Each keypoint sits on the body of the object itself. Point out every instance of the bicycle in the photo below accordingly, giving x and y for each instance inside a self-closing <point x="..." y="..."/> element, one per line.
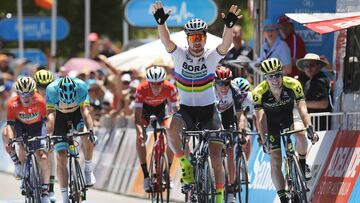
<point x="77" y="187"/>
<point x="159" y="170"/>
<point x="31" y="182"/>
<point x="241" y="183"/>
<point x="203" y="189"/>
<point x="294" y="176"/>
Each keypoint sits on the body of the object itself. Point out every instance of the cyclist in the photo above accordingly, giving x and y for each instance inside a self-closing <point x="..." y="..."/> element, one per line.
<point x="150" y="99"/>
<point x="67" y="102"/>
<point x="26" y="113"/>
<point x="274" y="101"/>
<point x="232" y="100"/>
<point x="194" y="74"/>
<point x="43" y="78"/>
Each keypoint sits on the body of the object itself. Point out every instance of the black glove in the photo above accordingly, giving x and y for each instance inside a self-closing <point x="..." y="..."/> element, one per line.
<point x="230" y="20"/>
<point x="311" y="135"/>
<point x="91" y="136"/>
<point x="160" y="16"/>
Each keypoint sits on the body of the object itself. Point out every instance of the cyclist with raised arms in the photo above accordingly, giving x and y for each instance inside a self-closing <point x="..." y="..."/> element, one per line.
<point x="43" y="78"/>
<point x="232" y="100"/>
<point x="194" y="74"/>
<point x="26" y="114"/>
<point x="274" y="101"/>
<point x="67" y="102"/>
<point x="151" y="98"/>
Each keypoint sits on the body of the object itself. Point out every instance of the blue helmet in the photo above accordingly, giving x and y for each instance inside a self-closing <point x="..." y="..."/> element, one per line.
<point x="67" y="90"/>
<point x="242" y="83"/>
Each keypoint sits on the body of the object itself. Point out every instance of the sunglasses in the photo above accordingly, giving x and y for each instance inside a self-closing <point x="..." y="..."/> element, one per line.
<point x="156" y="83"/>
<point x="222" y="83"/>
<point x="273" y="76"/>
<point x="196" y="37"/>
<point x="28" y="94"/>
<point x="310" y="64"/>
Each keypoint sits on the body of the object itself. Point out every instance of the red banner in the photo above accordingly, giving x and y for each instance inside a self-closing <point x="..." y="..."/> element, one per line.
<point x="341" y="170"/>
<point x="327" y="26"/>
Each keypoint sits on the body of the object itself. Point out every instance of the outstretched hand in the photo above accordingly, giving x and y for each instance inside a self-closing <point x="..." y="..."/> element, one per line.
<point x="233" y="15"/>
<point x="159" y="13"/>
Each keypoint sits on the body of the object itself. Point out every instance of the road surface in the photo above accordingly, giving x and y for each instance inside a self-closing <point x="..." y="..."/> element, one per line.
<point x="10" y="193"/>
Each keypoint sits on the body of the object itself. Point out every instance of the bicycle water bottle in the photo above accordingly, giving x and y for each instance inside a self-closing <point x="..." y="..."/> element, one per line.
<point x="72" y="149"/>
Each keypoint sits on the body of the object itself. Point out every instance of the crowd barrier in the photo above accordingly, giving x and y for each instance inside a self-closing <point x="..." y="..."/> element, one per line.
<point x="334" y="162"/>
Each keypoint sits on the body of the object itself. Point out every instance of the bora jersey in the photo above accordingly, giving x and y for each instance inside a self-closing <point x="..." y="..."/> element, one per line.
<point x="195" y="76"/>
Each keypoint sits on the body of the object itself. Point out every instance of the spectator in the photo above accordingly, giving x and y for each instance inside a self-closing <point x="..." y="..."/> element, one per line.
<point x="107" y="48"/>
<point x="5" y="88"/>
<point x="293" y="40"/>
<point x="94" y="44"/>
<point x="241" y="67"/>
<point x="274" y="47"/>
<point x="316" y="87"/>
<point x="239" y="49"/>
<point x="5" y="71"/>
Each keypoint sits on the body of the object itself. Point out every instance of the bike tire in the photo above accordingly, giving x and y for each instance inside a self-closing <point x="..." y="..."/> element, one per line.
<point x="81" y="180"/>
<point x="226" y="169"/>
<point x="242" y="179"/>
<point x="153" y="178"/>
<point x="35" y="180"/>
<point x="298" y="182"/>
<point x="165" y="179"/>
<point x="209" y="184"/>
<point x="74" y="187"/>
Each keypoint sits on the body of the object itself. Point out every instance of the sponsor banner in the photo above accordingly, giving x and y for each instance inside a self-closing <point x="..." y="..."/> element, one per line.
<point x="317" y="155"/>
<point x="333" y="25"/>
<point x="341" y="169"/>
<point x="314" y="42"/>
<point x="259" y="176"/>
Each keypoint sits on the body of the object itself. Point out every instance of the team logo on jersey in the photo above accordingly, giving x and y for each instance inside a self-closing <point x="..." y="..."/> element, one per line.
<point x="194" y="71"/>
<point x="28" y="116"/>
<point x="298" y="90"/>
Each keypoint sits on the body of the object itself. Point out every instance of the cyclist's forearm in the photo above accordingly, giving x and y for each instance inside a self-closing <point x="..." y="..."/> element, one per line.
<point x="227" y="39"/>
<point x="164" y="35"/>
<point x="87" y="117"/>
<point x="50" y="122"/>
<point x="304" y="113"/>
<point x="261" y="119"/>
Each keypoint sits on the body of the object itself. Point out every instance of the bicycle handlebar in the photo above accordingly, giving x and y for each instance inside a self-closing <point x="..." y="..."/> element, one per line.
<point x="73" y="134"/>
<point x="292" y="132"/>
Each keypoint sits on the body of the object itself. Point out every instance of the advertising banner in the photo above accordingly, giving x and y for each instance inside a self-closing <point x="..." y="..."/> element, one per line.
<point x="314" y="42"/>
<point x="341" y="169"/>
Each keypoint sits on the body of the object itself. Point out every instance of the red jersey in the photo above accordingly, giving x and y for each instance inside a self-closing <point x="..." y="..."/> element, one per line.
<point x="297" y="49"/>
<point x="145" y="95"/>
<point x="27" y="115"/>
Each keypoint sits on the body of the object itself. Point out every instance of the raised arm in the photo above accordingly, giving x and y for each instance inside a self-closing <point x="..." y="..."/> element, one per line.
<point x="161" y="17"/>
<point x="230" y="20"/>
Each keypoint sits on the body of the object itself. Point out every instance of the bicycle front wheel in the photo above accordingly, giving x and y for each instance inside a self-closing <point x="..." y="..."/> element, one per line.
<point x="242" y="179"/>
<point x="75" y="193"/>
<point x="35" y="185"/>
<point x="298" y="188"/>
<point x="205" y="189"/>
<point x="160" y="179"/>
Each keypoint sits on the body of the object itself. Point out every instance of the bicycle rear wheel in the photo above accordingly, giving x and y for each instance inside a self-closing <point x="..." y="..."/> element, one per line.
<point x="35" y="185"/>
<point x="298" y="188"/>
<point x="241" y="184"/>
<point x="74" y="186"/>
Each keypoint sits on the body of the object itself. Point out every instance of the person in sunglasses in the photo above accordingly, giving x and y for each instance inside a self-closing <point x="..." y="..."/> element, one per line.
<point x="232" y="100"/>
<point x="43" y="78"/>
<point x="26" y="114"/>
<point x="151" y="98"/>
<point x="274" y="100"/>
<point x="194" y="74"/>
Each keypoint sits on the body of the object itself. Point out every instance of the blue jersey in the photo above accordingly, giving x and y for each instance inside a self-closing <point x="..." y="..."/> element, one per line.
<point x="81" y="98"/>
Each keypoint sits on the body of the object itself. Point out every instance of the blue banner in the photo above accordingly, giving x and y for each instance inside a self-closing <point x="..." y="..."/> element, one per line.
<point x="355" y="194"/>
<point x="138" y="13"/>
<point x="315" y="43"/>
<point x="260" y="176"/>
<point x="34" y="28"/>
<point x="36" y="56"/>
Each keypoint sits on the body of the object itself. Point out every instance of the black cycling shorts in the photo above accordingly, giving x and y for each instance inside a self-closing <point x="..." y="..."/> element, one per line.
<point x="228" y="118"/>
<point x="206" y="117"/>
<point x="274" y="138"/>
<point x="62" y="122"/>
<point x="158" y="111"/>
<point x="32" y="130"/>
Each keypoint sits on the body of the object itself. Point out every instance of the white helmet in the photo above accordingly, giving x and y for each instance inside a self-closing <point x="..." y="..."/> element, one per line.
<point x="25" y="85"/>
<point x="155" y="74"/>
<point x="195" y="25"/>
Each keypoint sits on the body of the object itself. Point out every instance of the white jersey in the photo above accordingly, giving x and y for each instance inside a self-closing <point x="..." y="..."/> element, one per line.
<point x="224" y="102"/>
<point x="195" y="75"/>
